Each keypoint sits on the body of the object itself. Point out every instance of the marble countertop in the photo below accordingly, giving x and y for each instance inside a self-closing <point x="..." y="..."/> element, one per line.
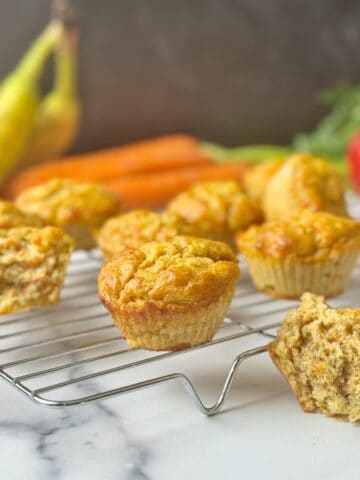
<point x="159" y="434"/>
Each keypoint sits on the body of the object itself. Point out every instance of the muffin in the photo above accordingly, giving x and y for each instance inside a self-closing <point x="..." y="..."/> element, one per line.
<point x="318" y="351"/>
<point x="216" y="209"/>
<point x="169" y="295"/>
<point x="11" y="217"/>
<point x="304" y="182"/>
<point x="135" y="228"/>
<point x="33" y="263"/>
<point x="78" y="208"/>
<point x="310" y="251"/>
<point x="257" y="178"/>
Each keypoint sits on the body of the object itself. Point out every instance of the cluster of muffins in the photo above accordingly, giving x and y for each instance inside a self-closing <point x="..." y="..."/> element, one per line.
<point x="289" y="221"/>
<point x="38" y="235"/>
<point x="308" y="242"/>
<point x="169" y="277"/>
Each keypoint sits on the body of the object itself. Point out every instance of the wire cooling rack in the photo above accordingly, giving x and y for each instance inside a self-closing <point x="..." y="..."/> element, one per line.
<point x="72" y="353"/>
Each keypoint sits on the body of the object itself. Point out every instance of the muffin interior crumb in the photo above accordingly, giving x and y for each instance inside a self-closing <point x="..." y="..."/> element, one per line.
<point x="318" y="351"/>
<point x="33" y="263"/>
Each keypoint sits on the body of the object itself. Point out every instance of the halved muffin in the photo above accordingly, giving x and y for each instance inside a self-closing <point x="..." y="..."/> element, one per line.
<point x="78" y="208"/>
<point x="318" y="351"/>
<point x="309" y="251"/>
<point x="33" y="263"/>
<point x="11" y="217"/>
<point x="216" y="210"/>
<point x="304" y="182"/>
<point x="169" y="295"/>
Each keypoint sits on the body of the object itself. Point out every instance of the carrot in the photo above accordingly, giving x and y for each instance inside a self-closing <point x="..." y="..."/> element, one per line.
<point x="154" y="190"/>
<point x="160" y="153"/>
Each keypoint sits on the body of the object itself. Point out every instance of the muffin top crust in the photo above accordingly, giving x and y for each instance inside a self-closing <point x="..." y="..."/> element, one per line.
<point x="11" y="217"/>
<point x="216" y="208"/>
<point x="257" y="178"/>
<point x="186" y="271"/>
<point x="138" y="227"/>
<point x="62" y="202"/>
<point x="306" y="234"/>
<point x="29" y="246"/>
<point x="302" y="182"/>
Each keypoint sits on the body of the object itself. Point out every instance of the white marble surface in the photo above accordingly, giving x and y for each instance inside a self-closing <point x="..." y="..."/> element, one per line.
<point x="159" y="434"/>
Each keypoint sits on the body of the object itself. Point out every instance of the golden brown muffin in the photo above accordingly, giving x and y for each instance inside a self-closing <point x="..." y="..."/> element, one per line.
<point x="11" y="217"/>
<point x="310" y="251"/>
<point x="318" y="351"/>
<point x="169" y="295"/>
<point x="133" y="229"/>
<point x="33" y="264"/>
<point x="304" y="182"/>
<point x="78" y="208"/>
<point x="257" y="178"/>
<point x="216" y="209"/>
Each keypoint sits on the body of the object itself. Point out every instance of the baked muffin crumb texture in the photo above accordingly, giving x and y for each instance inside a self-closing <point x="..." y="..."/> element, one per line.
<point x="33" y="264"/>
<point x="318" y="352"/>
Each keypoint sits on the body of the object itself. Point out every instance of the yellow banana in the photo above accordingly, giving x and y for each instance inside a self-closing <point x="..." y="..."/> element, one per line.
<point x="58" y="117"/>
<point x="19" y="99"/>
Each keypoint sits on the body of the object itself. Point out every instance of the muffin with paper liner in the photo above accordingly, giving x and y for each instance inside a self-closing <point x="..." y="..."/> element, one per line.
<point x="169" y="295"/>
<point x="309" y="251"/>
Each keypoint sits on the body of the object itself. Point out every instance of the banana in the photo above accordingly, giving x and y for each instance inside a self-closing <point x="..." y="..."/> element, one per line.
<point x="57" y="121"/>
<point x="20" y="97"/>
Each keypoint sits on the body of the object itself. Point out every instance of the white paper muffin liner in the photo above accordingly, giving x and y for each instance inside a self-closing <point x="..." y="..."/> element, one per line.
<point x="292" y="277"/>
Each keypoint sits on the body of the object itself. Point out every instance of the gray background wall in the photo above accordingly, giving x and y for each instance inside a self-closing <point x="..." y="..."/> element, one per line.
<point x="233" y="71"/>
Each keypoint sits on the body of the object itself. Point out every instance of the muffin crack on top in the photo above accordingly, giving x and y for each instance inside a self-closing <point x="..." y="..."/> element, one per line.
<point x="177" y="265"/>
<point x="306" y="234"/>
<point x="78" y="208"/>
<point x="309" y="251"/>
<point x="169" y="295"/>
<point x="216" y="209"/>
<point x="135" y="228"/>
<point x="304" y="181"/>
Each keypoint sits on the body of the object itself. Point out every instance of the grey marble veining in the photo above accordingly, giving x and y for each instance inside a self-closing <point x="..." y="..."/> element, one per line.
<point x="158" y="434"/>
<point x="60" y="445"/>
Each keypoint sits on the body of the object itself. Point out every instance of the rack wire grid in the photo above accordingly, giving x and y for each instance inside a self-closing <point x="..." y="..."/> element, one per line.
<point x="72" y="353"/>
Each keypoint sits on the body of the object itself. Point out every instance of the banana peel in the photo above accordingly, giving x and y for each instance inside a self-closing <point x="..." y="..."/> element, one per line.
<point x="58" y="118"/>
<point x="20" y="97"/>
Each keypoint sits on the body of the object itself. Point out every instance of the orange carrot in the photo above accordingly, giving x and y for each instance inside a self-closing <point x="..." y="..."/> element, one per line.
<point x="154" y="190"/>
<point x="156" y="154"/>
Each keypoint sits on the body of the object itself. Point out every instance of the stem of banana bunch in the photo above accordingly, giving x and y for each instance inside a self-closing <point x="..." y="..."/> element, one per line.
<point x="66" y="63"/>
<point x="32" y="64"/>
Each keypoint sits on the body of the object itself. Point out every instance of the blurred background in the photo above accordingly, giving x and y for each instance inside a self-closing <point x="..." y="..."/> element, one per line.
<point x="231" y="71"/>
